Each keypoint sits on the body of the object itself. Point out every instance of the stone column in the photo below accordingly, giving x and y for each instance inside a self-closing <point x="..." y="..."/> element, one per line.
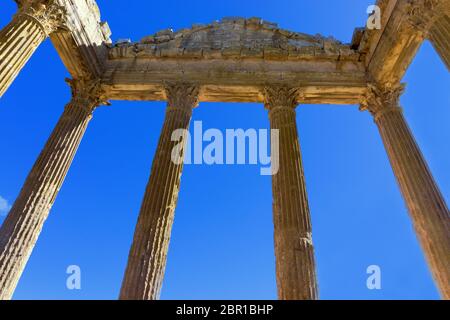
<point x="439" y="36"/>
<point x="295" y="265"/>
<point x="22" y="226"/>
<point x="21" y="37"/>
<point x="147" y="258"/>
<point x="426" y="205"/>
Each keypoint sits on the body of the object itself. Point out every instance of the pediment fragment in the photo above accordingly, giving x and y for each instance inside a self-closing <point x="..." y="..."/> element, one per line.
<point x="235" y="38"/>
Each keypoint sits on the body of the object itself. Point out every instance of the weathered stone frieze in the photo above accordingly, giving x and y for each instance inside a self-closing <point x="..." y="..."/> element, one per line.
<point x="421" y="14"/>
<point x="235" y="38"/>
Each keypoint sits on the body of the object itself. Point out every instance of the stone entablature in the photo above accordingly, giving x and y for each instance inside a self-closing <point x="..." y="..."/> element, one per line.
<point x="235" y="38"/>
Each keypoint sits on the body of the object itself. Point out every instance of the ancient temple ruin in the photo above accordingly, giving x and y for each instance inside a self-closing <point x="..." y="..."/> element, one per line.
<point x="231" y="60"/>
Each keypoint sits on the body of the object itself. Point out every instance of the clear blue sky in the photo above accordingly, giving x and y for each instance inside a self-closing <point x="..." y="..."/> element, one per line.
<point x="222" y="245"/>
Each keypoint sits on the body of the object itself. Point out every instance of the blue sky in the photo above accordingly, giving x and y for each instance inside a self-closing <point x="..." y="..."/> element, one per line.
<point x="222" y="240"/>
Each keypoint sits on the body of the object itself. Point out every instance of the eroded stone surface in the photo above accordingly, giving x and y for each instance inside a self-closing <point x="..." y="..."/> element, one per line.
<point x="295" y="262"/>
<point x="235" y="38"/>
<point x="148" y="254"/>
<point x="427" y="207"/>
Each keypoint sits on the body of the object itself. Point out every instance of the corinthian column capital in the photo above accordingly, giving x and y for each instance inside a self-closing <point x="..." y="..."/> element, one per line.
<point x="182" y="96"/>
<point x="379" y="100"/>
<point x="48" y="14"/>
<point x="87" y="94"/>
<point x="280" y="96"/>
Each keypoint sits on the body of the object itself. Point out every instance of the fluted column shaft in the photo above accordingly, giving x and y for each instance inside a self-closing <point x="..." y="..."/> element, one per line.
<point x="24" y="223"/>
<point x="147" y="258"/>
<point x="295" y="263"/>
<point x="439" y="37"/>
<point x="426" y="205"/>
<point x="21" y="37"/>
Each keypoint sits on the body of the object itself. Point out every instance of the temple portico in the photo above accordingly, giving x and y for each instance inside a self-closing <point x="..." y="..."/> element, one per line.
<point x="231" y="60"/>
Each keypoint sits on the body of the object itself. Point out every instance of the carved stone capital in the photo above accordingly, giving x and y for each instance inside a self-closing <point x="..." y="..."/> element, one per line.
<point x="379" y="100"/>
<point x="87" y="94"/>
<point x="421" y="14"/>
<point x="48" y="14"/>
<point x="280" y="96"/>
<point x="182" y="96"/>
